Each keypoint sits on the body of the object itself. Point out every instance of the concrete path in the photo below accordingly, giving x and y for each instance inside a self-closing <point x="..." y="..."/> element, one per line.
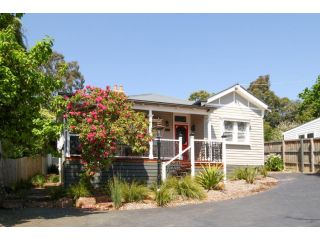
<point x="294" y="202"/>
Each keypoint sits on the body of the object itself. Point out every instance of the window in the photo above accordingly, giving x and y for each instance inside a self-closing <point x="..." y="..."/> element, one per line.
<point x="180" y="119"/>
<point x="310" y="135"/>
<point x="74" y="144"/>
<point x="236" y="132"/>
<point x="301" y="136"/>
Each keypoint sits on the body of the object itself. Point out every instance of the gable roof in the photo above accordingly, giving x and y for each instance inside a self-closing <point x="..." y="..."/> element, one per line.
<point x="302" y="125"/>
<point x="157" y="98"/>
<point x="242" y="92"/>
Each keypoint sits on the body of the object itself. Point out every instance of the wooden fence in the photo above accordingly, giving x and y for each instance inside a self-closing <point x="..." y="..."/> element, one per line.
<point x="22" y="168"/>
<point x="301" y="155"/>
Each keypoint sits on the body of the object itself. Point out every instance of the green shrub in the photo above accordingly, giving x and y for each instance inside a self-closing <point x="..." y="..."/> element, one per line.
<point x="165" y="195"/>
<point x="188" y="188"/>
<point x="38" y="180"/>
<point x="249" y="174"/>
<point x="134" y="192"/>
<point x="263" y="171"/>
<point x="209" y="178"/>
<point x="79" y="190"/>
<point x="22" y="185"/>
<point x="115" y="189"/>
<point x="57" y="192"/>
<point x="53" y="178"/>
<point x="274" y="163"/>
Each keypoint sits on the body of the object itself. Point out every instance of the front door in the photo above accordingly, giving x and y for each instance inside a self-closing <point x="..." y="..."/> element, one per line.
<point x="182" y="130"/>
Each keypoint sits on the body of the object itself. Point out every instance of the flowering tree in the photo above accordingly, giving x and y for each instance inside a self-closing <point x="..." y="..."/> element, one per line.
<point x="103" y="119"/>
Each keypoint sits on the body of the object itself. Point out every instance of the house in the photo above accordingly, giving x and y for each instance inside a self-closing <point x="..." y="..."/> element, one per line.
<point x="227" y="128"/>
<point x="308" y="130"/>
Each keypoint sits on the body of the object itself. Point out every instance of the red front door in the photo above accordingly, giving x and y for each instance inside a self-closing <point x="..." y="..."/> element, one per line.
<point x="182" y="130"/>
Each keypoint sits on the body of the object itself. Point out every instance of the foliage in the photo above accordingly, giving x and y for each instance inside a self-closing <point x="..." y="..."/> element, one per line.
<point x="188" y="188"/>
<point x="263" y="171"/>
<point x="24" y="88"/>
<point x="274" y="163"/>
<point x="57" y="192"/>
<point x="134" y="192"/>
<point x="249" y="174"/>
<point x="22" y="185"/>
<point x="210" y="177"/>
<point x="201" y="95"/>
<point x="38" y="180"/>
<point x="116" y="187"/>
<point x="53" y="178"/>
<point x="79" y="190"/>
<point x="104" y="118"/>
<point x="53" y="169"/>
<point x="72" y="79"/>
<point x="165" y="195"/>
<point x="310" y="105"/>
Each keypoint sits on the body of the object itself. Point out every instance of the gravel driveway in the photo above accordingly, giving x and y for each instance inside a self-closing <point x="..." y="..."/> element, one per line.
<point x="294" y="202"/>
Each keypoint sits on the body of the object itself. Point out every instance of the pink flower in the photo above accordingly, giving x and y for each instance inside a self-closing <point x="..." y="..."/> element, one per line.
<point x="88" y="86"/>
<point x="102" y="106"/>
<point x="72" y="127"/>
<point x="89" y="120"/>
<point x="69" y="106"/>
<point x="99" y="99"/>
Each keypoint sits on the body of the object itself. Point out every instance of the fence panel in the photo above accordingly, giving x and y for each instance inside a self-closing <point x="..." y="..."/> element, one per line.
<point x="22" y="168"/>
<point x="293" y="158"/>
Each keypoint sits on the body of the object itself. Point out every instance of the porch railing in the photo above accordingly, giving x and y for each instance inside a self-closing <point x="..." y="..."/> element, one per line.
<point x="208" y="150"/>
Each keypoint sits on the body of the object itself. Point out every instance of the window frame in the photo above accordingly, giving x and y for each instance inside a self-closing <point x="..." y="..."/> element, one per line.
<point x="235" y="131"/>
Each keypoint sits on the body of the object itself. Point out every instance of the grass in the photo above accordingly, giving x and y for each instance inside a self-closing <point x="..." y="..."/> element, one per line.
<point x="249" y="174"/>
<point x="78" y="190"/>
<point x="188" y="188"/>
<point x="38" y="180"/>
<point x="209" y="178"/>
<point x="57" y="192"/>
<point x="115" y="189"/>
<point x="135" y="192"/>
<point x="53" y="178"/>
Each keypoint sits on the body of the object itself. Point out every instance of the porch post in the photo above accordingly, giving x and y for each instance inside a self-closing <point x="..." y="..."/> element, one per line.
<point x="150" y="132"/>
<point x="180" y="147"/>
<point x="224" y="159"/>
<point x="192" y="156"/>
<point x="209" y="139"/>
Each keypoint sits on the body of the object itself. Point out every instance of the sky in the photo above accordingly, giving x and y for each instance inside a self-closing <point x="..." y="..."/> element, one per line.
<point x="177" y="54"/>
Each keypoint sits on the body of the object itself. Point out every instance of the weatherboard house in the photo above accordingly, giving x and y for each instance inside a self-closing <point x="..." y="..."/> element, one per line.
<point x="226" y="130"/>
<point x="310" y="129"/>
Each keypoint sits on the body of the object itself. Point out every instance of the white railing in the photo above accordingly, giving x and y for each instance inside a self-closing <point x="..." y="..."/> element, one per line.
<point x="214" y="152"/>
<point x="208" y="150"/>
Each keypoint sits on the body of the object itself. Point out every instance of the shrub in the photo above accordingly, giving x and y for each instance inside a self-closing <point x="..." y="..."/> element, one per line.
<point x="263" y="171"/>
<point x="22" y="185"/>
<point x="38" y="180"/>
<point x="189" y="188"/>
<point x="274" y="163"/>
<point x="210" y="177"/>
<point x="134" y="192"/>
<point x="57" y="192"/>
<point x="78" y="190"/>
<point x="53" y="178"/>
<point x="165" y="195"/>
<point x="115" y="188"/>
<point x="53" y="169"/>
<point x="249" y="174"/>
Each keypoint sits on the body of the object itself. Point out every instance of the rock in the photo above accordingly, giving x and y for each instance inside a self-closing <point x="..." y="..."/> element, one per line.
<point x="85" y="201"/>
<point x="9" y="204"/>
<point x="102" y="199"/>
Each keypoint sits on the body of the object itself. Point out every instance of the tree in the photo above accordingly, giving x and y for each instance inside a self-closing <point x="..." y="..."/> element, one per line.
<point x="24" y="88"/>
<point x="72" y="78"/>
<point x="200" y="95"/>
<point x="310" y="105"/>
<point x="104" y="119"/>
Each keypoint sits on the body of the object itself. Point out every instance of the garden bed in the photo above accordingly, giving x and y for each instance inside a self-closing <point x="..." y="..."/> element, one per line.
<point x="233" y="189"/>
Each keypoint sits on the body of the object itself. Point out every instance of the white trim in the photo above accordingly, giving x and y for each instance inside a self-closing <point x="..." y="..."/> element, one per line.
<point x="178" y="110"/>
<point x="243" y="93"/>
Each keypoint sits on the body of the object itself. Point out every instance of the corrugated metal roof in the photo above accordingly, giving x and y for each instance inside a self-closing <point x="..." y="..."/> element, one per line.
<point x="152" y="97"/>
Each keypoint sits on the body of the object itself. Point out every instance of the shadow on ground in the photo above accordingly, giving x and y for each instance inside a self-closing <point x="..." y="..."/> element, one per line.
<point x="12" y="217"/>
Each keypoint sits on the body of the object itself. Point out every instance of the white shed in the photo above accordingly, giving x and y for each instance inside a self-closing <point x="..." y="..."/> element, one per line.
<point x="308" y="130"/>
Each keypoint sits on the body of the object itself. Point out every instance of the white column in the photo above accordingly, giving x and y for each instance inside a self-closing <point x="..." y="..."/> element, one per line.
<point x="209" y="128"/>
<point x="180" y="148"/>
<point x="150" y="132"/>
<point x="192" y="156"/>
<point x="164" y="171"/>
<point x="224" y="159"/>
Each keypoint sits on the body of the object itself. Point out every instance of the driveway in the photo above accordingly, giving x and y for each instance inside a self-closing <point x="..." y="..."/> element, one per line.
<point x="294" y="202"/>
